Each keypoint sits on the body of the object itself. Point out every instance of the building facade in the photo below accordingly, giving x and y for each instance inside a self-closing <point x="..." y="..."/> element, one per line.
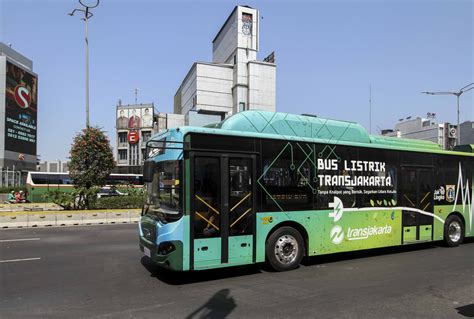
<point x="134" y="127"/>
<point x="53" y="167"/>
<point x="426" y="129"/>
<point x="211" y="91"/>
<point x="18" y="111"/>
<point x="467" y="132"/>
<point x="234" y="81"/>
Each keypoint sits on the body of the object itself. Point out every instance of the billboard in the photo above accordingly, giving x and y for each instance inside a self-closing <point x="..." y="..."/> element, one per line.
<point x="134" y="118"/>
<point x="122" y="119"/>
<point x="147" y="117"/>
<point x="21" y="108"/>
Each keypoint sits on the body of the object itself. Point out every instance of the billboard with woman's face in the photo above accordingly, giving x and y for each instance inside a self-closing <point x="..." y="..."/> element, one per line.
<point x="21" y="108"/>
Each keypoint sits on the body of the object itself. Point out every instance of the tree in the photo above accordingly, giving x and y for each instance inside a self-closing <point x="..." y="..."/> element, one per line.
<point x="91" y="162"/>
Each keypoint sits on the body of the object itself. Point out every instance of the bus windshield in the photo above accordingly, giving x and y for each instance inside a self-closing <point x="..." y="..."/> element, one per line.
<point x="163" y="193"/>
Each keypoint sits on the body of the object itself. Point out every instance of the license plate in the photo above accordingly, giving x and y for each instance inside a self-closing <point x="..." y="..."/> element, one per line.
<point x="147" y="252"/>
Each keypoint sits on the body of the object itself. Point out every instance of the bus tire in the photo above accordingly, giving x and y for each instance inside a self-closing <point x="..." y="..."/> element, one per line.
<point x="284" y="249"/>
<point x="453" y="231"/>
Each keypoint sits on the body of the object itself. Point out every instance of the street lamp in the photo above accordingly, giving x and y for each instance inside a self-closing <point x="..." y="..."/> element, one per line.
<point x="458" y="94"/>
<point x="87" y="15"/>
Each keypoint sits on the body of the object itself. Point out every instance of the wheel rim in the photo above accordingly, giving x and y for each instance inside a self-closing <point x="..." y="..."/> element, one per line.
<point x="286" y="249"/>
<point x="454" y="231"/>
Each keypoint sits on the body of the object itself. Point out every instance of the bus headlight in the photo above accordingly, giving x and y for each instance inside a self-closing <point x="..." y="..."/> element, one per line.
<point x="165" y="248"/>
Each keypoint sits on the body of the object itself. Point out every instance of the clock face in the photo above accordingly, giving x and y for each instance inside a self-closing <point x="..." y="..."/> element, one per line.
<point x="247" y="23"/>
<point x="247" y="28"/>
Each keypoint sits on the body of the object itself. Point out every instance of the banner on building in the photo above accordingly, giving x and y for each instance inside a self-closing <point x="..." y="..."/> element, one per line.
<point x="21" y="108"/>
<point x="134" y="118"/>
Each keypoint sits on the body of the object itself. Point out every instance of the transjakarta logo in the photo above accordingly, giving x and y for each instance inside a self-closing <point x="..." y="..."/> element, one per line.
<point x="22" y="97"/>
<point x="338" y="209"/>
<point x="337" y="234"/>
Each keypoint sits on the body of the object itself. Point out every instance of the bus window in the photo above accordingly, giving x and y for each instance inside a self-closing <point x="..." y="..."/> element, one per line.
<point x="240" y="197"/>
<point x="287" y="176"/>
<point x="206" y="197"/>
<point x="39" y="179"/>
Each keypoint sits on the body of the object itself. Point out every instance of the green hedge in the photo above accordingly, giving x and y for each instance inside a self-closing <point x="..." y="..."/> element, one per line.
<point x="69" y="200"/>
<point x="119" y="202"/>
<point x="6" y="190"/>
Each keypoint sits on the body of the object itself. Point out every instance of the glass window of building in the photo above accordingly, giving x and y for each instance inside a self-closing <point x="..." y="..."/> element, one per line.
<point x="122" y="137"/>
<point x="122" y="155"/>
<point x="146" y="135"/>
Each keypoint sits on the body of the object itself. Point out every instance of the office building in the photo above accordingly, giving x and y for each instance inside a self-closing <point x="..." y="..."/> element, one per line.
<point x="18" y="111"/>
<point x="467" y="132"/>
<point x="134" y="127"/>
<point x="53" y="167"/>
<point x="235" y="80"/>
<point x="426" y="129"/>
<point x="211" y="91"/>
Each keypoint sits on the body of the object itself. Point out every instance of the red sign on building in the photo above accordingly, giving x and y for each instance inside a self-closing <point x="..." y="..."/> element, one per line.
<point x="133" y="137"/>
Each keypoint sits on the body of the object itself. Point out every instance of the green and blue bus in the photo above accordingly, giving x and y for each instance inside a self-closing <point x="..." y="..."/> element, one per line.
<point x="275" y="187"/>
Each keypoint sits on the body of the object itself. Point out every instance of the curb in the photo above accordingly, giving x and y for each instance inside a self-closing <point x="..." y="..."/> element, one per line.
<point x="28" y="219"/>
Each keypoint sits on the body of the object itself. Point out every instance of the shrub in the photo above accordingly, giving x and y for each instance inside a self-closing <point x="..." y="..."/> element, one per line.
<point x="63" y="199"/>
<point x="119" y="202"/>
<point x="6" y="190"/>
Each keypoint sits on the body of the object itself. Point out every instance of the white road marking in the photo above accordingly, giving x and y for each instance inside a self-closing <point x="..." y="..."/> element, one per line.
<point x="21" y="239"/>
<point x="22" y="259"/>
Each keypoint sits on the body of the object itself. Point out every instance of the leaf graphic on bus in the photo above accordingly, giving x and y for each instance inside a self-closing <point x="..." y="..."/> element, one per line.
<point x="372" y="203"/>
<point x="385" y="202"/>
<point x="379" y="202"/>
<point x="394" y="202"/>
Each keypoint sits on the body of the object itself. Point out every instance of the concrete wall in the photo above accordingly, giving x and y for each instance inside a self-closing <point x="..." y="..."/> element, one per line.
<point x="16" y="57"/>
<point x="214" y="88"/>
<point x="207" y="87"/>
<point x="188" y="90"/>
<point x="225" y="43"/>
<point x="467" y="132"/>
<point x="262" y="90"/>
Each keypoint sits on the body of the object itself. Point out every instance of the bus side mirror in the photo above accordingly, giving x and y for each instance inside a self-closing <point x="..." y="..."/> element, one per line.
<point x="148" y="171"/>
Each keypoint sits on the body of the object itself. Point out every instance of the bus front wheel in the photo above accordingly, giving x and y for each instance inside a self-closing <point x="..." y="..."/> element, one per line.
<point x="453" y="231"/>
<point x="284" y="249"/>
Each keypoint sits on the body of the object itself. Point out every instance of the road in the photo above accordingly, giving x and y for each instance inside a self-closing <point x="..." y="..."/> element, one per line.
<point x="98" y="272"/>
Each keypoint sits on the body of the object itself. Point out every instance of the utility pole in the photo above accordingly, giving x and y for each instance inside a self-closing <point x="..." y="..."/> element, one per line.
<point x="458" y="94"/>
<point x="87" y="15"/>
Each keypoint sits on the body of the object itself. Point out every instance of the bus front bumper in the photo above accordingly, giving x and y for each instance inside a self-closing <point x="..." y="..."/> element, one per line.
<point x="168" y="254"/>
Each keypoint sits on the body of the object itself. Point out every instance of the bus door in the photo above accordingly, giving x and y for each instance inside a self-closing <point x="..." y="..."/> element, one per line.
<point x="222" y="209"/>
<point x="417" y="193"/>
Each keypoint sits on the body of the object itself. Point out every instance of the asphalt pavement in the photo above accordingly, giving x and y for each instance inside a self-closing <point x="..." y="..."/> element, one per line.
<point x="99" y="272"/>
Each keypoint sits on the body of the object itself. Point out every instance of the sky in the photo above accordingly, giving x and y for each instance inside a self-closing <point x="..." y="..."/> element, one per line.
<point x="328" y="54"/>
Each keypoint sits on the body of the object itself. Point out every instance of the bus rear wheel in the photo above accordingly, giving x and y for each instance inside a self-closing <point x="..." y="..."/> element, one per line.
<point x="453" y="231"/>
<point x="284" y="249"/>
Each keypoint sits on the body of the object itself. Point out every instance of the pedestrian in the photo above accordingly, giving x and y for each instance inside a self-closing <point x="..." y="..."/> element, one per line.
<point x="11" y="197"/>
<point x="22" y="197"/>
<point x="17" y="197"/>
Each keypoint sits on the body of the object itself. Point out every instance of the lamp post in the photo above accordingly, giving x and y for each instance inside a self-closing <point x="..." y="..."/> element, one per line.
<point x="87" y="15"/>
<point x="458" y="94"/>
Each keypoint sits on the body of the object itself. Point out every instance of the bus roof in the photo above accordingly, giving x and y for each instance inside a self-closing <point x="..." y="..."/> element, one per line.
<point x="265" y="124"/>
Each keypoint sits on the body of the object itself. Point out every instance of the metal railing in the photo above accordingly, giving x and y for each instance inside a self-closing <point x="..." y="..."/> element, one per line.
<point x="10" y="177"/>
